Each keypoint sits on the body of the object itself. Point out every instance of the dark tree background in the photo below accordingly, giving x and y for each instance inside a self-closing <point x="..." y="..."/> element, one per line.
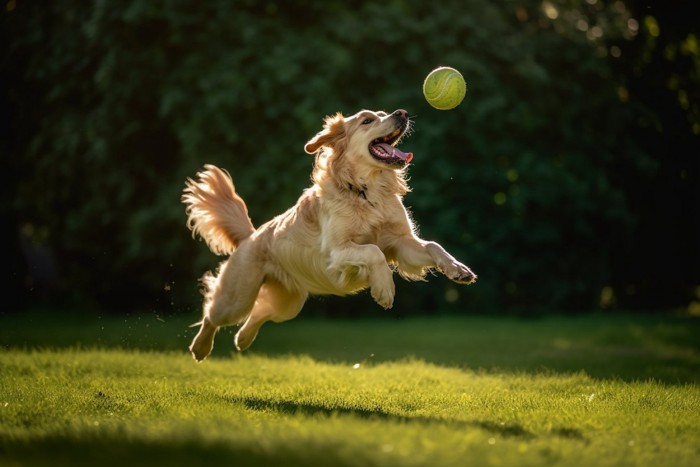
<point x="568" y="178"/>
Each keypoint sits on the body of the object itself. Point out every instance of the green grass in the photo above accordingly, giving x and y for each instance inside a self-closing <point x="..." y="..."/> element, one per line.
<point x="583" y="390"/>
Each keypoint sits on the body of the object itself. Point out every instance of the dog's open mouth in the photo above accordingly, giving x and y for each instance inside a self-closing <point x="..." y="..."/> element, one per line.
<point x="383" y="148"/>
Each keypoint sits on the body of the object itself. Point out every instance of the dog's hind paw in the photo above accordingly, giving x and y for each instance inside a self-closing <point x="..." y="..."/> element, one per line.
<point x="198" y="354"/>
<point x="203" y="343"/>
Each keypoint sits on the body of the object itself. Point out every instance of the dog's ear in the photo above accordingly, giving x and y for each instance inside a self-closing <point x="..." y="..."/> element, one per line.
<point x="333" y="131"/>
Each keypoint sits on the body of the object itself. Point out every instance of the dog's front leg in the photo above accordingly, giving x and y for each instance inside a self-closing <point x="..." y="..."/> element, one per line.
<point x="415" y="256"/>
<point x="355" y="267"/>
<point x="448" y="265"/>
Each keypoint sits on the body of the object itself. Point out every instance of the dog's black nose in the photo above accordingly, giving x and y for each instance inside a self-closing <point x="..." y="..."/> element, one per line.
<point x="401" y="113"/>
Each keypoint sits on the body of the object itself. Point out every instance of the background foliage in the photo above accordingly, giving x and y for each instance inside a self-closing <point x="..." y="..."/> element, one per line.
<point x="568" y="179"/>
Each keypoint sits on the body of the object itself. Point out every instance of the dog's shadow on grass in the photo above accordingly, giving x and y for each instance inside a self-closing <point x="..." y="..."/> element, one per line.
<point x="505" y="430"/>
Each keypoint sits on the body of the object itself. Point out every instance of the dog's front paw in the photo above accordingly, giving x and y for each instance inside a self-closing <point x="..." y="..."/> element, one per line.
<point x="384" y="296"/>
<point x="459" y="273"/>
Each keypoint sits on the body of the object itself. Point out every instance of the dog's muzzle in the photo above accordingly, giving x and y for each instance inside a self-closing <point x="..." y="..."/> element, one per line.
<point x="384" y="148"/>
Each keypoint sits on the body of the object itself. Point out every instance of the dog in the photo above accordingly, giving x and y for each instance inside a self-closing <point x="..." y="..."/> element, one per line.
<point x="348" y="232"/>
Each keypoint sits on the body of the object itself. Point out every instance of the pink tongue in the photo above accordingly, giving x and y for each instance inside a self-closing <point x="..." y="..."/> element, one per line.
<point x="396" y="152"/>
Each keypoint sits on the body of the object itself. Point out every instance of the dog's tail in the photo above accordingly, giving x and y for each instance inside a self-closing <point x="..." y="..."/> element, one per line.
<point x="215" y="211"/>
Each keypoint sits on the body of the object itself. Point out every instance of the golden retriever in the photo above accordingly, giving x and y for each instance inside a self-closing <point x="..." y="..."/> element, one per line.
<point x="347" y="232"/>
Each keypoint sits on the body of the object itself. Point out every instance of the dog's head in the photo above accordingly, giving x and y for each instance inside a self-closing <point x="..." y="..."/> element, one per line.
<point x="367" y="135"/>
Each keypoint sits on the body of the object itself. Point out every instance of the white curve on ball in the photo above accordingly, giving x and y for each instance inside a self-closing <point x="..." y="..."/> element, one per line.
<point x="444" y="86"/>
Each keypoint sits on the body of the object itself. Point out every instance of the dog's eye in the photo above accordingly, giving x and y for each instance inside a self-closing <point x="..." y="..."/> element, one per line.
<point x="367" y="121"/>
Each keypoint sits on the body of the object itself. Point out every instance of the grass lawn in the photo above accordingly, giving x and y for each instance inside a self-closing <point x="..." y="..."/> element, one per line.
<point x="435" y="391"/>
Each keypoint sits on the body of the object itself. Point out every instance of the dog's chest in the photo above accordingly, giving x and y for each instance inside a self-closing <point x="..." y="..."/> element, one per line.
<point x="356" y="222"/>
<point x="363" y="221"/>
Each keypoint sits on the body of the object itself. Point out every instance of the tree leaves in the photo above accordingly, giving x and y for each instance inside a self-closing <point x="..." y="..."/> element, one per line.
<point x="128" y="102"/>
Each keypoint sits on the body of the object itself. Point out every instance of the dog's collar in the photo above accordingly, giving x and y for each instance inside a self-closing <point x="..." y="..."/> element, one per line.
<point x="361" y="191"/>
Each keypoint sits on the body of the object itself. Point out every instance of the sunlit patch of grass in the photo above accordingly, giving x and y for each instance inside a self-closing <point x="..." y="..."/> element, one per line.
<point x="629" y="347"/>
<point x="113" y="407"/>
<point x="581" y="390"/>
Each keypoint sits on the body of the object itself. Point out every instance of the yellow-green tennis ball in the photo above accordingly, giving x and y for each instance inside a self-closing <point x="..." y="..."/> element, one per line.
<point x="444" y="88"/>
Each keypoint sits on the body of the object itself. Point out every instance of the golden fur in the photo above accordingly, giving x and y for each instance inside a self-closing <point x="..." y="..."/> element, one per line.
<point x="349" y="231"/>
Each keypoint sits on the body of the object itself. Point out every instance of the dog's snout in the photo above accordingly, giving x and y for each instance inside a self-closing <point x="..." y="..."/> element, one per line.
<point x="401" y="113"/>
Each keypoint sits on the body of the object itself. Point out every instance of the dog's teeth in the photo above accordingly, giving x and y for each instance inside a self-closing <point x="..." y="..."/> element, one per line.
<point x="393" y="135"/>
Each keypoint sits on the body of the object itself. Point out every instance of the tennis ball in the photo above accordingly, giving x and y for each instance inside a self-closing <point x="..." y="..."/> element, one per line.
<point x="444" y="88"/>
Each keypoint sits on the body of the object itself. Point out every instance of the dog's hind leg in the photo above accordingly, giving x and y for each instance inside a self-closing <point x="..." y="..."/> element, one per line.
<point x="274" y="303"/>
<point x="230" y="296"/>
<point x="203" y="343"/>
